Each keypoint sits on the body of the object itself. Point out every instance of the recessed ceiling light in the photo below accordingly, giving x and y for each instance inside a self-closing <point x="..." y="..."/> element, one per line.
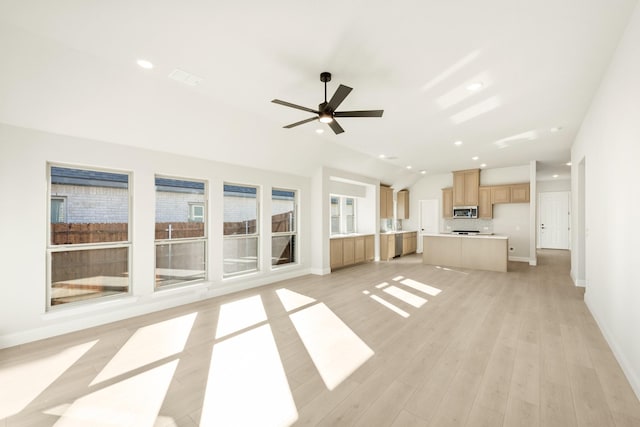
<point x="484" y="165"/>
<point x="382" y="156"/>
<point x="475" y="158"/>
<point x="423" y="172"/>
<point x="319" y="130"/>
<point x="458" y="143"/>
<point x="568" y="163"/>
<point x="475" y="86"/>
<point x="555" y="176"/>
<point x="555" y="129"/>
<point x="147" y="65"/>
<point x="408" y="166"/>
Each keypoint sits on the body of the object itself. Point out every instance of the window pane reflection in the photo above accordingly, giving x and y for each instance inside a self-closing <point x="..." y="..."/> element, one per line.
<point x="88" y="274"/>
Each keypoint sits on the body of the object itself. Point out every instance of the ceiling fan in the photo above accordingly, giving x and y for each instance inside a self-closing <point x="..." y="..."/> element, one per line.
<point x="326" y="111"/>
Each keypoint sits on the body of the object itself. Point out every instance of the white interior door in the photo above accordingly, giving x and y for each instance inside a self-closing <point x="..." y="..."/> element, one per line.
<point x="553" y="220"/>
<point x="429" y="219"/>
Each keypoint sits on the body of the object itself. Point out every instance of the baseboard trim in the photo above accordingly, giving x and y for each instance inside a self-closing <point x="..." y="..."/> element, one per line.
<point x="518" y="259"/>
<point x="634" y="381"/>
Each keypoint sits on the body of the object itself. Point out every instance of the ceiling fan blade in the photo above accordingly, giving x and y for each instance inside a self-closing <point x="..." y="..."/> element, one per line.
<point x="338" y="97"/>
<point x="367" y="113"/>
<point x="335" y="127"/>
<point x="301" y="122"/>
<point x="299" y="107"/>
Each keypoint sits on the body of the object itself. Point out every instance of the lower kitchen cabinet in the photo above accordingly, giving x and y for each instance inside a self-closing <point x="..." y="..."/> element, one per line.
<point x="346" y="251"/>
<point x="387" y="246"/>
<point x="409" y="243"/>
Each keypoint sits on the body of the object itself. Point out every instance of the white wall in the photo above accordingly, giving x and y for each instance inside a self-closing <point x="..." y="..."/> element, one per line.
<point x="554" y="185"/>
<point x="23" y="183"/>
<point x="428" y="188"/>
<point x="609" y="141"/>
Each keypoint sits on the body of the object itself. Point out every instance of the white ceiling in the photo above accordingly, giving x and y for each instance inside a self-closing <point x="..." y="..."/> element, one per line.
<point x="69" y="67"/>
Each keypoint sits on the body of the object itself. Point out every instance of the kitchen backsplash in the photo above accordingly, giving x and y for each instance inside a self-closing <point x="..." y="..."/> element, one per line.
<point x="482" y="225"/>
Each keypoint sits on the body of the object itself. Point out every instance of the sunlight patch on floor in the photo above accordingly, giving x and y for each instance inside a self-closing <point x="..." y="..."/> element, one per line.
<point x="292" y="300"/>
<point x="237" y="315"/>
<point x="418" y="286"/>
<point x="405" y="296"/>
<point x="335" y="349"/>
<point x="382" y="285"/>
<point x="41" y="373"/>
<point x="247" y="385"/>
<point x="398" y="278"/>
<point x="149" y="344"/>
<point x="134" y="401"/>
<point x="390" y="306"/>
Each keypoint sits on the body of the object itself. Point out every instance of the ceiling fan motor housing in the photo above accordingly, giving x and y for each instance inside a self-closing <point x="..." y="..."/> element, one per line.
<point x="325" y="77"/>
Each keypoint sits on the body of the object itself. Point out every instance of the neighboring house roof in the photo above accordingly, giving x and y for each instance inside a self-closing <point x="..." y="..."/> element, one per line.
<point x="179" y="186"/>
<point x="91" y="178"/>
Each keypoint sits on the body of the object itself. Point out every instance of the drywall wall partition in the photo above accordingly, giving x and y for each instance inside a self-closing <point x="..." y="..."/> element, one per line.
<point x="608" y="142"/>
<point x="24" y="155"/>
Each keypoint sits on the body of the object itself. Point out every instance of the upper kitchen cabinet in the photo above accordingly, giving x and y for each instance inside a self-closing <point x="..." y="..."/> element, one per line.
<point x="403" y="204"/>
<point x="485" y="207"/>
<point x="447" y="202"/>
<point x="466" y="185"/>
<point x="501" y="194"/>
<point x="520" y="193"/>
<point x="386" y="202"/>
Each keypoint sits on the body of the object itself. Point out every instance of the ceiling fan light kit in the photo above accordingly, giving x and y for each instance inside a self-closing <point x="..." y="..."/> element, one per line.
<point x="326" y="112"/>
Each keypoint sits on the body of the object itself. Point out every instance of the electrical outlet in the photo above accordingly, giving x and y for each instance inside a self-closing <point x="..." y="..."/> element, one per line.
<point x="485" y="228"/>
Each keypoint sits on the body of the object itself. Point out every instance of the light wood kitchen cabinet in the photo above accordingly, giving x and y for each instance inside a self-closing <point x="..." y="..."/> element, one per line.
<point x="369" y="248"/>
<point x="335" y="248"/>
<point x="346" y="251"/>
<point x="358" y="255"/>
<point x="386" y="202"/>
<point x="409" y="243"/>
<point x="520" y="193"/>
<point x="387" y="246"/>
<point x="403" y="204"/>
<point x="501" y="194"/>
<point x="485" y="207"/>
<point x="447" y="202"/>
<point x="465" y="187"/>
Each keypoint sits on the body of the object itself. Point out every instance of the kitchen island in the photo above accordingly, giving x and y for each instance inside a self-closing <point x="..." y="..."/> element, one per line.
<point x="480" y="252"/>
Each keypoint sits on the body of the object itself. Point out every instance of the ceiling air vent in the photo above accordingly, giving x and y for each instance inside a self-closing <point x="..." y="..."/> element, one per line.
<point x="185" y="78"/>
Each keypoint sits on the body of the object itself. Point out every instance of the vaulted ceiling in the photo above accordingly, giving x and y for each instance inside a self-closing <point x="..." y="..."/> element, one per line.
<point x="69" y="67"/>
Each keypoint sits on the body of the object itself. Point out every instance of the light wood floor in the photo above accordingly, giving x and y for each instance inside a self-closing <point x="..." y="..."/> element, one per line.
<point x="491" y="349"/>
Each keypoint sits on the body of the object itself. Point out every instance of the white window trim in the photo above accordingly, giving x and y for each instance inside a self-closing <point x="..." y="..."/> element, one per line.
<point x="289" y="233"/>
<point x="255" y="235"/>
<point x="51" y="248"/>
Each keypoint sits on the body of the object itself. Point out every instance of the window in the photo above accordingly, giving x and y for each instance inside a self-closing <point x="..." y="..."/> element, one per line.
<point x="181" y="243"/>
<point x="283" y="227"/>
<point x="58" y="210"/>
<point x="89" y="248"/>
<point x="343" y="215"/>
<point x="196" y="212"/>
<point x="240" y="247"/>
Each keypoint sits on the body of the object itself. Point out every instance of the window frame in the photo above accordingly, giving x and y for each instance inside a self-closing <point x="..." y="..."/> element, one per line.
<point x="293" y="233"/>
<point x="51" y="248"/>
<point x="230" y="237"/>
<point x="185" y="240"/>
<point x="342" y="216"/>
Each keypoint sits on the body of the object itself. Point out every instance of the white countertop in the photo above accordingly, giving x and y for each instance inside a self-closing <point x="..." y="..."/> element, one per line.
<point x="466" y="236"/>
<point x="342" y="236"/>
<point x="398" y="232"/>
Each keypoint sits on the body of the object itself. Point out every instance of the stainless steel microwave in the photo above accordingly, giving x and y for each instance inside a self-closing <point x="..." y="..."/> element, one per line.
<point x="465" y="212"/>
